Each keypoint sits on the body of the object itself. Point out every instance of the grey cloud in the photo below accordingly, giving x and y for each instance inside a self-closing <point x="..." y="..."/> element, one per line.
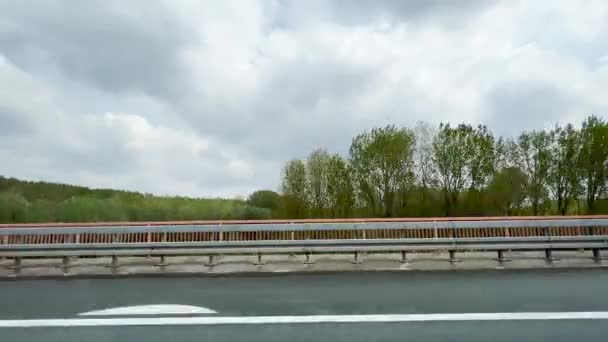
<point x="516" y="106"/>
<point x="103" y="155"/>
<point x="411" y="10"/>
<point x="299" y="106"/>
<point x="13" y="122"/>
<point x="115" y="45"/>
<point x="361" y="13"/>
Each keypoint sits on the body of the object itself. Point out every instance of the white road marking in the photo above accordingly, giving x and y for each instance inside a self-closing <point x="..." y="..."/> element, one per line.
<point x="87" y="322"/>
<point x="159" y="309"/>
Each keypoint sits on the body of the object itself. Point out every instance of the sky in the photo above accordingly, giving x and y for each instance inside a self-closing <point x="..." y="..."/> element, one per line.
<point x="211" y="98"/>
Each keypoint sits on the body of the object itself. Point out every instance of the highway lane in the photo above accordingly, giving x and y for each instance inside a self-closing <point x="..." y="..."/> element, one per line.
<point x="419" y="332"/>
<point x="321" y="294"/>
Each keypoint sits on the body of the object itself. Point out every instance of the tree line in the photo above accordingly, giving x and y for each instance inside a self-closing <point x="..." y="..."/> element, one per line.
<point x="389" y="171"/>
<point x="450" y="170"/>
<point x="24" y="202"/>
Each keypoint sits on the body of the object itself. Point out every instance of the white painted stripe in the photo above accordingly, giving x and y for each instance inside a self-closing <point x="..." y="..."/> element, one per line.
<point x="157" y="309"/>
<point x="86" y="322"/>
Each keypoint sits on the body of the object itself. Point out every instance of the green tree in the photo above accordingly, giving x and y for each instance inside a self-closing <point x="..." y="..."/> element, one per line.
<point x="507" y="190"/>
<point x="295" y="189"/>
<point x="382" y="160"/>
<point x="13" y="208"/>
<point x="450" y="150"/>
<point x="426" y="174"/>
<point x="481" y="165"/>
<point x="265" y="199"/>
<point x="594" y="158"/>
<point x="465" y="158"/>
<point x="340" y="191"/>
<point x="564" y="172"/>
<point x="533" y="156"/>
<point x="317" y="169"/>
<point x="482" y="157"/>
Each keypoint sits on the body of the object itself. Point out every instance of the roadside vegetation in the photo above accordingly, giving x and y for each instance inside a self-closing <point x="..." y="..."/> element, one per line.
<point x="390" y="171"/>
<point x="22" y="201"/>
<point x="457" y="170"/>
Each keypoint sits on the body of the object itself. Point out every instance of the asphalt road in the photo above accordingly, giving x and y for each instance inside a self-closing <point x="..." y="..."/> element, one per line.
<point x="320" y="294"/>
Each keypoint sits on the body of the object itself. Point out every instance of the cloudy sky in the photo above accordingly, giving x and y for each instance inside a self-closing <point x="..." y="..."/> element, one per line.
<point x="210" y="98"/>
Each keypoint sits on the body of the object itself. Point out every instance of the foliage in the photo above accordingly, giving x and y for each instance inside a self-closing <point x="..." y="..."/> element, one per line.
<point x="594" y="159"/>
<point x="265" y="199"/>
<point x="533" y="156"/>
<point x="462" y="170"/>
<point x="317" y="174"/>
<point x="382" y="161"/>
<point x="507" y="190"/>
<point x="340" y="189"/>
<point x="295" y="189"/>
<point x="22" y="201"/>
<point x="465" y="157"/>
<point x="564" y="178"/>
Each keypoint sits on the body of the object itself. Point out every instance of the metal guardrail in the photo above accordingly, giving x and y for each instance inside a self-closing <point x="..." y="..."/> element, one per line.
<point x="275" y="237"/>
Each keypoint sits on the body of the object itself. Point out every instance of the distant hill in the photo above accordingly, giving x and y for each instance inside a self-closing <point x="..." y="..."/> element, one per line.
<point x="25" y="201"/>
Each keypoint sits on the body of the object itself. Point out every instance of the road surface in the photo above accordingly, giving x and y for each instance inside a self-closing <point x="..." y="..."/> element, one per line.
<point x="257" y="305"/>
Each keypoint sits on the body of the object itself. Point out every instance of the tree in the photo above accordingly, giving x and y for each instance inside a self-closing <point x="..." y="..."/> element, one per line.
<point x="340" y="191"/>
<point x="594" y="158"/>
<point x="426" y="175"/>
<point x="533" y="156"/>
<point x="482" y="157"/>
<point x="507" y="190"/>
<point x="265" y="199"/>
<point x="382" y="160"/>
<point x="423" y="155"/>
<point x="317" y="166"/>
<point x="13" y="208"/>
<point x="564" y="173"/>
<point x="465" y="157"/>
<point x="481" y="165"/>
<point x="450" y="154"/>
<point x="294" y="189"/>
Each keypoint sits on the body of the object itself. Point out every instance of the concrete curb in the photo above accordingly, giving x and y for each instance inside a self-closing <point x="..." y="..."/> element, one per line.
<point x="266" y="273"/>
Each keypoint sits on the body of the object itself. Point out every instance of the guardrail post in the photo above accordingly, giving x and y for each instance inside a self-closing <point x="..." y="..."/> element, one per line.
<point x="501" y="256"/>
<point x="596" y="254"/>
<point x="221" y="238"/>
<point x="549" y="255"/>
<point x="211" y="261"/>
<point x="17" y="265"/>
<point x="453" y="258"/>
<point x="163" y="262"/>
<point x="404" y="259"/>
<point x="259" y="260"/>
<point x="307" y="258"/>
<point x="357" y="258"/>
<point x="114" y="265"/>
<point x="65" y="264"/>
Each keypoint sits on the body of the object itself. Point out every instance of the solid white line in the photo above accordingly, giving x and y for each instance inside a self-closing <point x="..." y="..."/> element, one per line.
<point x="86" y="322"/>
<point x="156" y="309"/>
